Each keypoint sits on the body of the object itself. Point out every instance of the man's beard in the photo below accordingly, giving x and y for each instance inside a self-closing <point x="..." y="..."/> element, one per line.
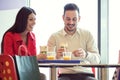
<point x="70" y="26"/>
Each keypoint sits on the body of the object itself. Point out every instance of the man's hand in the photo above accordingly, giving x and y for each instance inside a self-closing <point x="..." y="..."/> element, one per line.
<point x="80" y="53"/>
<point x="59" y="53"/>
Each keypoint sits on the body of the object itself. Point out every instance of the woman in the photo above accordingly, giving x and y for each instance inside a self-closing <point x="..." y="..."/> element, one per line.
<point x="21" y="34"/>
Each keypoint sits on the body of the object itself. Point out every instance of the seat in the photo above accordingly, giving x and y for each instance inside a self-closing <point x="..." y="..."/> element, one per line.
<point x="93" y="70"/>
<point x="7" y="68"/>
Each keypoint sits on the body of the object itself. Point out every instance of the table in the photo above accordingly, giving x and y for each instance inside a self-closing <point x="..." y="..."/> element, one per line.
<point x="53" y="67"/>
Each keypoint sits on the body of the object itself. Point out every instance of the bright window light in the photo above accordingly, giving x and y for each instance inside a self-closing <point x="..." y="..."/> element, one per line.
<point x="49" y="17"/>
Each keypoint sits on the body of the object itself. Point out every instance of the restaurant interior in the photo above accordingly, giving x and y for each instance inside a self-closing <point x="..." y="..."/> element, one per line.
<point x="98" y="16"/>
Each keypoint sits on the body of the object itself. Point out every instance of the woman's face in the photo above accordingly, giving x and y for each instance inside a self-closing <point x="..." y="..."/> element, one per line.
<point x="31" y="22"/>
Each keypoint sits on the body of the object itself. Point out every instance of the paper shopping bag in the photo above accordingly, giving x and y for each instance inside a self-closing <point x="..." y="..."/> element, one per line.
<point x="27" y="67"/>
<point x="116" y="75"/>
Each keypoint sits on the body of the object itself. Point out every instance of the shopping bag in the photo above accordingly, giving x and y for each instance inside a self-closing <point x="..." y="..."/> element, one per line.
<point x="116" y="74"/>
<point x="27" y="66"/>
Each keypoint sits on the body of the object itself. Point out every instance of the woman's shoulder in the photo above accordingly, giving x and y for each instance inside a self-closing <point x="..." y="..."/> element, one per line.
<point x="9" y="34"/>
<point x="12" y="35"/>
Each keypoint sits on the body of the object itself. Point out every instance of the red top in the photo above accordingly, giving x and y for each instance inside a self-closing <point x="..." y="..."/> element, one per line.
<point x="12" y="41"/>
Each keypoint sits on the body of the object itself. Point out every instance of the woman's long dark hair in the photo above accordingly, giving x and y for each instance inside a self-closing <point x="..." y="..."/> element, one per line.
<point x="20" y="23"/>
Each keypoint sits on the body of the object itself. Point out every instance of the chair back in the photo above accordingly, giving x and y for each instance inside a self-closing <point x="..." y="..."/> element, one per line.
<point x="93" y="70"/>
<point x="7" y="68"/>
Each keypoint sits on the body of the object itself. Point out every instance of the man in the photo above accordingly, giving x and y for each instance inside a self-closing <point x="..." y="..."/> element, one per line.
<point x="78" y="41"/>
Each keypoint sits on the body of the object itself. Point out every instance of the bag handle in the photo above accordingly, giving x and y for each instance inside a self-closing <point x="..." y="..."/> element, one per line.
<point x="19" y="50"/>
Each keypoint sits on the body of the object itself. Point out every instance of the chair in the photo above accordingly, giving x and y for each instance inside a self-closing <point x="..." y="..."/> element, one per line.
<point x="93" y="70"/>
<point x="7" y="68"/>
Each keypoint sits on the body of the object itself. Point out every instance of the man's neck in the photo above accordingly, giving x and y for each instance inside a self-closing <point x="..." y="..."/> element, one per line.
<point x="70" y="32"/>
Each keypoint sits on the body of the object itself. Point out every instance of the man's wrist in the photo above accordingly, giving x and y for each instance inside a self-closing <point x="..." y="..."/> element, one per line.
<point x="86" y="54"/>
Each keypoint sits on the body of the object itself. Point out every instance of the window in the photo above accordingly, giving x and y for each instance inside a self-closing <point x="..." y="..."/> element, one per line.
<point x="49" y="17"/>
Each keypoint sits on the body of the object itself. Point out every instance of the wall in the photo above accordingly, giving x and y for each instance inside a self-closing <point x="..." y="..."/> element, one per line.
<point x="7" y="18"/>
<point x="8" y="13"/>
<point x="12" y="4"/>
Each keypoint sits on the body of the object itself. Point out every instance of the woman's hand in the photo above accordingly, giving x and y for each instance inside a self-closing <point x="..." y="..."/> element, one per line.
<point x="41" y="56"/>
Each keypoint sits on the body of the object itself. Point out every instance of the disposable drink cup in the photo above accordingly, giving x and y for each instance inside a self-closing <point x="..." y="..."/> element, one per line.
<point x="51" y="55"/>
<point x="67" y="55"/>
<point x="43" y="49"/>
